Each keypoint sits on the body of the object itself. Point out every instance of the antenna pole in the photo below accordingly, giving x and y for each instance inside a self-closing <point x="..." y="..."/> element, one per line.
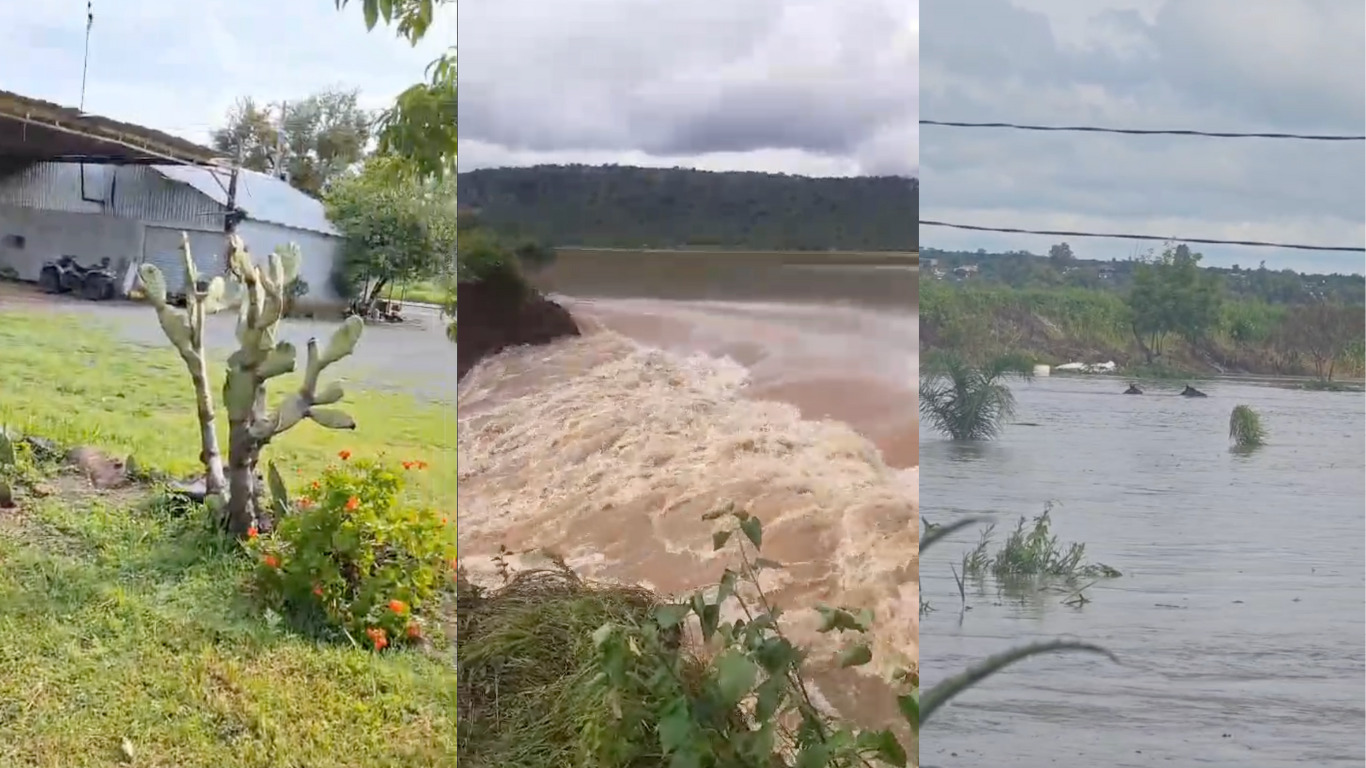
<point x="85" y="64"/>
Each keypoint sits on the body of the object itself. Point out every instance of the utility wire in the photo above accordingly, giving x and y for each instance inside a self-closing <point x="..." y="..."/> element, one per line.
<point x="1159" y="238"/>
<point x="1147" y="131"/>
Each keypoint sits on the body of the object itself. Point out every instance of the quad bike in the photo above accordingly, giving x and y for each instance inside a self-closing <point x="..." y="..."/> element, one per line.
<point x="66" y="275"/>
<point x="379" y="310"/>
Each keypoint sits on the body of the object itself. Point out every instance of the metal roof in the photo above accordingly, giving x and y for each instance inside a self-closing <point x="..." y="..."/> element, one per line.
<point x="33" y="130"/>
<point x="262" y="196"/>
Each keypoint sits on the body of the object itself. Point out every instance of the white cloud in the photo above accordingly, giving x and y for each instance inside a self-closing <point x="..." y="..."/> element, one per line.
<point x="179" y="66"/>
<point x="822" y="87"/>
<point x="1289" y="66"/>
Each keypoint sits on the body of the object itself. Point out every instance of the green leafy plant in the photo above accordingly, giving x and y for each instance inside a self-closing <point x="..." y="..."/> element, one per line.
<point x="1032" y="549"/>
<point x="353" y="556"/>
<point x="1245" y="427"/>
<point x="700" y="719"/>
<point x="967" y="401"/>
<point x="920" y="707"/>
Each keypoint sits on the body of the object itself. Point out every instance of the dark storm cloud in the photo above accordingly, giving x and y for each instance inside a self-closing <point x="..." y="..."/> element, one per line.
<point x="1292" y="66"/>
<point x="780" y="79"/>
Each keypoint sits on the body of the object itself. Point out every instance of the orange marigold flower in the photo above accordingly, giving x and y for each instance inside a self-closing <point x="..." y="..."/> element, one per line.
<point x="271" y="561"/>
<point x="408" y="464"/>
<point x="443" y="521"/>
<point x="378" y="637"/>
<point x="414" y="631"/>
<point x="315" y="485"/>
<point x="420" y="464"/>
<point x="252" y="532"/>
<point x="398" y="606"/>
<point x="352" y="503"/>
<point x="317" y="590"/>
<point x="305" y="502"/>
<point x="344" y="455"/>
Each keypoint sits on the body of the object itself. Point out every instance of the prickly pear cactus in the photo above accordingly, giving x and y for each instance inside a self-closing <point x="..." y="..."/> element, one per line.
<point x="260" y="357"/>
<point x="185" y="330"/>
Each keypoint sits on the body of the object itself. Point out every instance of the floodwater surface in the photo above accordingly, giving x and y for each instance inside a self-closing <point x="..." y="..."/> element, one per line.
<point x="773" y="387"/>
<point x="1239" y="616"/>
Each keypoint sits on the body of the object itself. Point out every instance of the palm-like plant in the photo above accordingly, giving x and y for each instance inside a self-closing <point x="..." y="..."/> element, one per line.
<point x="968" y="401"/>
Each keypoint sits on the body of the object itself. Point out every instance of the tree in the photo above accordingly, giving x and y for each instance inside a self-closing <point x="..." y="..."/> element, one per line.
<point x="399" y="226"/>
<point x="1060" y="256"/>
<point x="310" y="141"/>
<point x="421" y="126"/>
<point x="1171" y="294"/>
<point x="1325" y="332"/>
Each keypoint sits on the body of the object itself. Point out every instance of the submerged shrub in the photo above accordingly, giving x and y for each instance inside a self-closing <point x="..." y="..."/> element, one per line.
<point x="1032" y="549"/>
<point x="353" y="556"/>
<point x="967" y="401"/>
<point x="1245" y="427"/>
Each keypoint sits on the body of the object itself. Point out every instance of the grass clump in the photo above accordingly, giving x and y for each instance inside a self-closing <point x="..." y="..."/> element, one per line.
<point x="1032" y="550"/>
<point x="1245" y="428"/>
<point x="527" y="664"/>
<point x="924" y="706"/>
<point x="966" y="401"/>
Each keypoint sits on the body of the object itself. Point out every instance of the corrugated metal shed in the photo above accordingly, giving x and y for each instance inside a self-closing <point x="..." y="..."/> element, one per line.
<point x="263" y="197"/>
<point x="129" y="192"/>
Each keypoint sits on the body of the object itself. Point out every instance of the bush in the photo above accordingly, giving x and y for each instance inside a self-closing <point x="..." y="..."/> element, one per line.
<point x="352" y="556"/>
<point x="1032" y="549"/>
<point x="1245" y="427"/>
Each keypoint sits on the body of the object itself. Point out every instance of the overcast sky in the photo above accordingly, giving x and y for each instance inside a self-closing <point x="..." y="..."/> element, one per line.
<point x="813" y="87"/>
<point x="1273" y="65"/>
<point x="178" y="65"/>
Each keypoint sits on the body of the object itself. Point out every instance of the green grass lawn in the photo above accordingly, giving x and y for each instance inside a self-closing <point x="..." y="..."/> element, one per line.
<point x="423" y="292"/>
<point x="124" y="620"/>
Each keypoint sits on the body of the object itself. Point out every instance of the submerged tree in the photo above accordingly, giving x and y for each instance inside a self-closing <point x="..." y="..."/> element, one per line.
<point x="967" y="401"/>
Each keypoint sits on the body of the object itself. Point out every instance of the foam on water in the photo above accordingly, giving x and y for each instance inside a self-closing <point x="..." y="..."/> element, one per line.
<point x="607" y="452"/>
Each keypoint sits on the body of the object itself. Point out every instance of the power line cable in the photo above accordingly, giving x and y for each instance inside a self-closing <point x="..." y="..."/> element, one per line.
<point x="1158" y="238"/>
<point x="1147" y="131"/>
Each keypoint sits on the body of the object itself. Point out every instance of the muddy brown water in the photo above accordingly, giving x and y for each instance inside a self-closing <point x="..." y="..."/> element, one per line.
<point x="1239" y="617"/>
<point x="778" y="382"/>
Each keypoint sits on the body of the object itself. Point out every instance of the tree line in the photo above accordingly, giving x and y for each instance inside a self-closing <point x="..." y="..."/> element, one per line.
<point x="1167" y="311"/>
<point x="615" y="206"/>
<point x="1061" y="267"/>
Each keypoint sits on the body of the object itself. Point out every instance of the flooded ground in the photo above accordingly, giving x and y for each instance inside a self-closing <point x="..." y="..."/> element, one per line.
<point x="754" y="379"/>
<point x="1239" y="617"/>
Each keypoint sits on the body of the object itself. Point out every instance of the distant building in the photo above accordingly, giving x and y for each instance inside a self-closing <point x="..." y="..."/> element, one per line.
<point x="965" y="272"/>
<point x="87" y="186"/>
<point x="136" y="213"/>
